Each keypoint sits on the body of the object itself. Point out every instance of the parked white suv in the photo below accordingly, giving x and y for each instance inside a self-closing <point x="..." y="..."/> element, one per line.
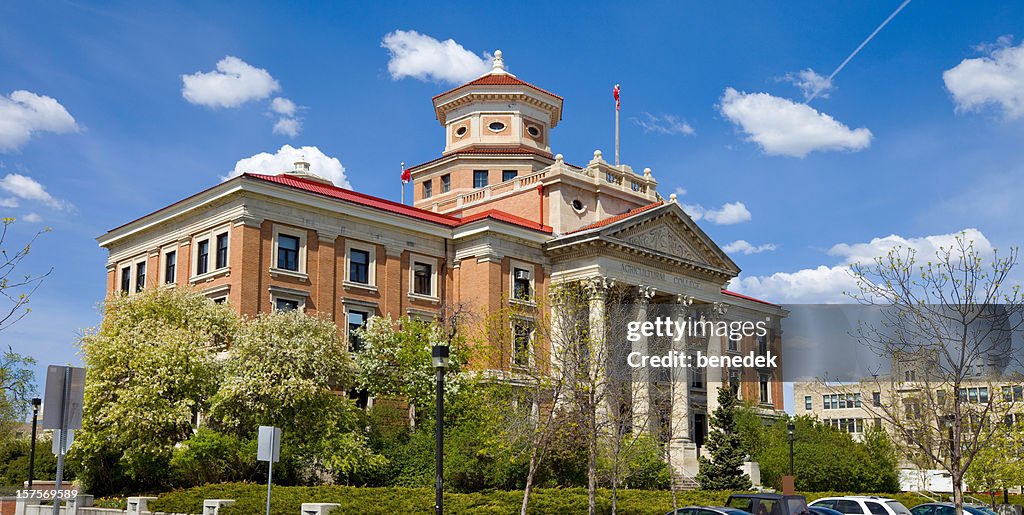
<point x="862" y="505"/>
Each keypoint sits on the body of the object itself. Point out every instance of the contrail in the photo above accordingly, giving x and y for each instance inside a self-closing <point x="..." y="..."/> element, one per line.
<point x="859" y="47"/>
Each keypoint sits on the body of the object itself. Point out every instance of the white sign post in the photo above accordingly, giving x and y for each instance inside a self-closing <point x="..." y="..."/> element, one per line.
<point x="269" y="450"/>
<point x="62" y="411"/>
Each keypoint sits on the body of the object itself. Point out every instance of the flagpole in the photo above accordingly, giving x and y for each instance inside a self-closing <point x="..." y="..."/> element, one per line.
<point x="403" y="183"/>
<point x="616" y="125"/>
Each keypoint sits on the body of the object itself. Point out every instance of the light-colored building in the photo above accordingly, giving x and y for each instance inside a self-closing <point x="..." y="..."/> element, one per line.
<point x="496" y="218"/>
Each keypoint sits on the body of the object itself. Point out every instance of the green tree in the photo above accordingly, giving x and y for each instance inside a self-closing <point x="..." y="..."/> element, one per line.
<point x="285" y="369"/>
<point x="723" y="470"/>
<point x="152" y="370"/>
<point x="997" y="464"/>
<point x="17" y="383"/>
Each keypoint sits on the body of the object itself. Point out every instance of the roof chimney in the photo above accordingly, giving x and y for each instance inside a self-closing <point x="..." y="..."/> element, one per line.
<point x="302" y="169"/>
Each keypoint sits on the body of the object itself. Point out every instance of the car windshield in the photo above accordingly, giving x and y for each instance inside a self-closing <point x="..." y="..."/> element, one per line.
<point x="740" y="503"/>
<point x="898" y="507"/>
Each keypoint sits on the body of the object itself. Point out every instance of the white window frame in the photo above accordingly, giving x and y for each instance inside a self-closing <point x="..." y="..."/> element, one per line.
<point x="274" y="296"/>
<point x="371" y="274"/>
<point x="768" y="388"/>
<point x="530" y="344"/>
<point x="348" y="312"/>
<point x="167" y="249"/>
<point x="295" y="233"/>
<point x="135" y="274"/>
<point x="426" y="260"/>
<point x="513" y="265"/>
<point x="211" y="257"/>
<point x="120" y="277"/>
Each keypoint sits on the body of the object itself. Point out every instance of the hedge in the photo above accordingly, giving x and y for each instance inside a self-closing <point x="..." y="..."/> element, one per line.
<point x="251" y="498"/>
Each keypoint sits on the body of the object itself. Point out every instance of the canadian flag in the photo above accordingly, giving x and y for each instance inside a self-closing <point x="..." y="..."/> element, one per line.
<point x="406" y="175"/>
<point x="615" y="92"/>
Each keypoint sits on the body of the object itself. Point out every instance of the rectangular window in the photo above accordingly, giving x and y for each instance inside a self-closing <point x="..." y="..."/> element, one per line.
<point x="286" y="304"/>
<point x="842" y="402"/>
<point x="826" y="402"/>
<point x="508" y="175"/>
<point x="856" y="400"/>
<point x="522" y="331"/>
<point x="140" y="276"/>
<point x="170" y="262"/>
<point x="762" y="345"/>
<point x="203" y="257"/>
<point x="1018" y="393"/>
<point x="288" y="252"/>
<point x="764" y="383"/>
<point x="807" y="402"/>
<point x="860" y="425"/>
<point x="698" y="375"/>
<point x="732" y="345"/>
<point x="972" y="395"/>
<point x="610" y="177"/>
<point x="878" y="423"/>
<point x="359" y="266"/>
<point x="421" y="279"/>
<point x="222" y="250"/>
<point x="983" y="395"/>
<point x="876" y="399"/>
<point x="446" y="183"/>
<point x="356" y="319"/>
<point x="428" y="188"/>
<point x="521" y="284"/>
<point x="479" y="178"/>
<point x="126" y="279"/>
<point x="1007" y="395"/>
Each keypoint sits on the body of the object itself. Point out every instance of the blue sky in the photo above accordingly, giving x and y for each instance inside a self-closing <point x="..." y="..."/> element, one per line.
<point x="918" y="137"/>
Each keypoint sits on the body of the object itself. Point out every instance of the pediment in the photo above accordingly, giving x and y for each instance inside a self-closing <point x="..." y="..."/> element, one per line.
<point x="670" y="231"/>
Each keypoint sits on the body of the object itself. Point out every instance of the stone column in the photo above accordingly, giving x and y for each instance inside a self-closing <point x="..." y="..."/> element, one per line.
<point x="682" y="450"/>
<point x="713" y="378"/>
<point x="641" y="402"/>
<point x="598" y="344"/>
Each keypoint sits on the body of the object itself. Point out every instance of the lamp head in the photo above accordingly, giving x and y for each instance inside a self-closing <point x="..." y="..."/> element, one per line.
<point x="791" y="426"/>
<point x="36" y="402"/>
<point x="440" y="354"/>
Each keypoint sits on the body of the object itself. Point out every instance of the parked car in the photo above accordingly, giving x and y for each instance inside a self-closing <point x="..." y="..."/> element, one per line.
<point x="821" y="510"/>
<point x="863" y="505"/>
<point x="707" y="510"/>
<point x="769" y="504"/>
<point x="947" y="508"/>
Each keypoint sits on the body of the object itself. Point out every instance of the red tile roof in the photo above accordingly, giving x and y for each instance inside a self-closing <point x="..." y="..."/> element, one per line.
<point x="745" y="297"/>
<point x="612" y="219"/>
<point x="370" y="201"/>
<point x="497" y="79"/>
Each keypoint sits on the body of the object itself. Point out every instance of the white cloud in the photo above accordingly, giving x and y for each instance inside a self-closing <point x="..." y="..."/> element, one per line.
<point x="27" y="188"/>
<point x="665" y="124"/>
<point x="827" y="284"/>
<point x="784" y="127"/>
<point x="680" y="191"/>
<point x="23" y="113"/>
<point x="995" y="79"/>
<point x="284" y="161"/>
<point x="32" y="218"/>
<point x="422" y="57"/>
<point x="234" y="83"/>
<point x="9" y="202"/>
<point x="288" y="127"/>
<point x="729" y="213"/>
<point x="744" y="247"/>
<point x="283" y="106"/>
<point x="810" y="83"/>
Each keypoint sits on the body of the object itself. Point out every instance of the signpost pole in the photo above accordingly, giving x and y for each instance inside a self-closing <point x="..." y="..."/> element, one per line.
<point x="63" y="440"/>
<point x="270" y="474"/>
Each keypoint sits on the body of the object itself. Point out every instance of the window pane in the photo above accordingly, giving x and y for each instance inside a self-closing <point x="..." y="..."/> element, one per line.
<point x="521" y="343"/>
<point x="203" y="257"/>
<point x="479" y="178"/>
<point x="126" y="279"/>
<point x="520" y="284"/>
<point x="428" y="189"/>
<point x="807" y="403"/>
<point x="421" y="279"/>
<point x="286" y="304"/>
<point x="140" y="276"/>
<point x="446" y="183"/>
<point x="222" y="250"/>
<point x="356" y="319"/>
<point x="170" y="262"/>
<point x="359" y="266"/>
<point x="508" y="175"/>
<point x="288" y="252"/>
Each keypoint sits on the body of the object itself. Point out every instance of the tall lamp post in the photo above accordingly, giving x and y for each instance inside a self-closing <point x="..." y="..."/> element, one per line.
<point x="791" y="427"/>
<point x="36" y="402"/>
<point x="440" y="355"/>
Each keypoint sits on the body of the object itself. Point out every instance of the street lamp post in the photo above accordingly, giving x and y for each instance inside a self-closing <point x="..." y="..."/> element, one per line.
<point x="791" y="427"/>
<point x="36" y="402"/>
<point x="440" y="360"/>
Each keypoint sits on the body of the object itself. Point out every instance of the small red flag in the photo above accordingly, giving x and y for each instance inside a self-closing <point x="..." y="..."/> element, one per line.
<point x="406" y="175"/>
<point x="615" y="92"/>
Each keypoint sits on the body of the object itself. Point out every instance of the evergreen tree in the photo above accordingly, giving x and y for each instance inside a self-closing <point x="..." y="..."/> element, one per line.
<point x="724" y="470"/>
